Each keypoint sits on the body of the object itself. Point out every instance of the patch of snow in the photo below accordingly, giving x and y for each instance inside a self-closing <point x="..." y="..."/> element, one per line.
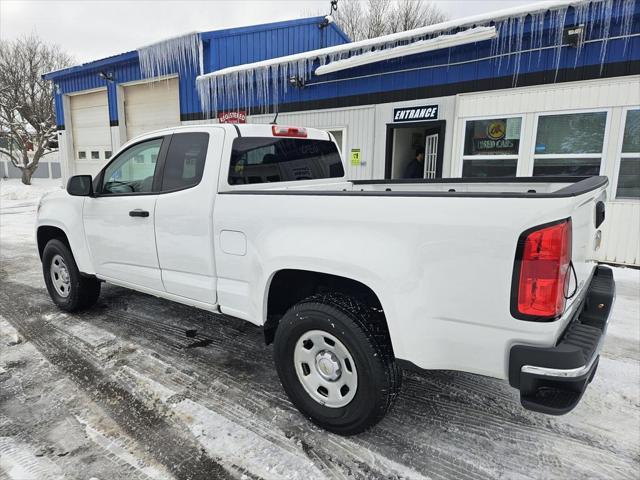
<point x="14" y="189"/>
<point x="115" y="448"/>
<point x="239" y="446"/>
<point x="19" y="462"/>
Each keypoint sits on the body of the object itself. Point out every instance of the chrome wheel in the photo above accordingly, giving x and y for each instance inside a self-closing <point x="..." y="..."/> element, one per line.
<point x="325" y="368"/>
<point x="60" y="277"/>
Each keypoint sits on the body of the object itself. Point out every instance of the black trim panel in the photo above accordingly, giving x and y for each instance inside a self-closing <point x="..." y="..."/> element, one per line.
<point x="583" y="186"/>
<point x="190" y="117"/>
<point x="440" y="125"/>
<point x="113" y="123"/>
<point x="60" y="127"/>
<point x="539" y="179"/>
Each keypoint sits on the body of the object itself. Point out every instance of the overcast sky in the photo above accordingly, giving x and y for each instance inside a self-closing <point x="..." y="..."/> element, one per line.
<point x="90" y="30"/>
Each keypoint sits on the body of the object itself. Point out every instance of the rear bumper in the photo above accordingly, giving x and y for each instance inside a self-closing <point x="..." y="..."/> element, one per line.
<point x="552" y="380"/>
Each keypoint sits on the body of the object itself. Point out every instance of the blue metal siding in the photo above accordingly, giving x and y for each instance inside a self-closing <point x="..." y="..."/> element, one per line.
<point x="246" y="45"/>
<point x="221" y="49"/>
<point x="468" y="63"/>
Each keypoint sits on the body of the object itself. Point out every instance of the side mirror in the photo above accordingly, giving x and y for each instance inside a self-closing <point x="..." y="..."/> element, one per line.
<point x="80" y="186"/>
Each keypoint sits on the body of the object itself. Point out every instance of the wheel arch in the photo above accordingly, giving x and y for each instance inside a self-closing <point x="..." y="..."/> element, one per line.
<point x="45" y="233"/>
<point x="289" y="286"/>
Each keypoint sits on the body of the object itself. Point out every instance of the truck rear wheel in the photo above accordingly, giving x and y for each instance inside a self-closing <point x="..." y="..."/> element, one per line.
<point x="68" y="288"/>
<point x="334" y="359"/>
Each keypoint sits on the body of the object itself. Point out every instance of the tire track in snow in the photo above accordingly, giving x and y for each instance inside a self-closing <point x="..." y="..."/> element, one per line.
<point x="166" y="443"/>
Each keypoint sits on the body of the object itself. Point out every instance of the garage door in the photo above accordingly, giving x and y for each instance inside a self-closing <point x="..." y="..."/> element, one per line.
<point x="91" y="131"/>
<point x="151" y="106"/>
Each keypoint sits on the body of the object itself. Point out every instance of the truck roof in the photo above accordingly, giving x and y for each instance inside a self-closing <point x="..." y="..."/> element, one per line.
<point x="244" y="129"/>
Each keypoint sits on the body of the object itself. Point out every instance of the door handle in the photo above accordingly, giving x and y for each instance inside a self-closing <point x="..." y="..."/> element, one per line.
<point x="138" y="213"/>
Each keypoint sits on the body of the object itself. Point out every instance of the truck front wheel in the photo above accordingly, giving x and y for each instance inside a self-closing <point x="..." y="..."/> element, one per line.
<point x="334" y="359"/>
<point x="68" y="288"/>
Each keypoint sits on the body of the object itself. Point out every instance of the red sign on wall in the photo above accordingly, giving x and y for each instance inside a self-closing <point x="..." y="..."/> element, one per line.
<point x="233" y="117"/>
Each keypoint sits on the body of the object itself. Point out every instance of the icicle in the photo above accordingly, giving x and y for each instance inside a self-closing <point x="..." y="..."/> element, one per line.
<point x="627" y="9"/>
<point x="170" y="56"/>
<point x="581" y="12"/>
<point x="556" y="30"/>
<point x="606" y="12"/>
<point x="518" y="48"/>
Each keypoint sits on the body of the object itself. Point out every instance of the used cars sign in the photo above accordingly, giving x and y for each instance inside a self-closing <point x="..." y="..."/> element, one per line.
<point x="415" y="114"/>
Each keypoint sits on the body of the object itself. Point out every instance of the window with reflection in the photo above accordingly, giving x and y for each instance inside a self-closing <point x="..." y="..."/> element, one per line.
<point x="491" y="147"/>
<point x="133" y="170"/>
<point x="569" y="144"/>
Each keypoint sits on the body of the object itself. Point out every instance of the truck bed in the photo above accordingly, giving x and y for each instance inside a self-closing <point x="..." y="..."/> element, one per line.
<point x="508" y="187"/>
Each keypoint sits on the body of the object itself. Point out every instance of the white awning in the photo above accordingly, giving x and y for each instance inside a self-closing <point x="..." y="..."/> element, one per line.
<point x="445" y="41"/>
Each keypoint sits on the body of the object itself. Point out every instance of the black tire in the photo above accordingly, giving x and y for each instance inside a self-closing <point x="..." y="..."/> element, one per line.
<point x="364" y="333"/>
<point x="83" y="290"/>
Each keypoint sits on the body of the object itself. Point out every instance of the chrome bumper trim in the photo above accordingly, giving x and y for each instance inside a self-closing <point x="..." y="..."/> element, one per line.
<point x="572" y="372"/>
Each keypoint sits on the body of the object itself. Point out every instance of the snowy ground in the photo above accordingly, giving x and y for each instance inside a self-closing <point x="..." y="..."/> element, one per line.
<point x="121" y="392"/>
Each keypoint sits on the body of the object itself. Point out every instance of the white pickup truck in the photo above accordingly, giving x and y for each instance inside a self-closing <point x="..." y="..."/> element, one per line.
<point x="351" y="280"/>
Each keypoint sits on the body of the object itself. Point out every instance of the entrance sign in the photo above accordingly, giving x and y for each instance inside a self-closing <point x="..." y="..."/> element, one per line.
<point x="415" y="114"/>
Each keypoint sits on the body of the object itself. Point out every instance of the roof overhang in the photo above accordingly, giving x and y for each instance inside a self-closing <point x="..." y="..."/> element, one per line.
<point x="465" y="37"/>
<point x="411" y="36"/>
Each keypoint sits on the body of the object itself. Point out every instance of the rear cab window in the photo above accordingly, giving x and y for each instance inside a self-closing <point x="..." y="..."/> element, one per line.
<point x="257" y="160"/>
<point x="185" y="161"/>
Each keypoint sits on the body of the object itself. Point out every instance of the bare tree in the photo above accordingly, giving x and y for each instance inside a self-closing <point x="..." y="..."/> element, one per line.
<point x="361" y="19"/>
<point x="378" y="15"/>
<point x="349" y="17"/>
<point x="410" y="14"/>
<point x="27" y="115"/>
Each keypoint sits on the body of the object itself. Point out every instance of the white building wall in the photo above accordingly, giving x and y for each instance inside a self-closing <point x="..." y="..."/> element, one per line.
<point x="621" y="231"/>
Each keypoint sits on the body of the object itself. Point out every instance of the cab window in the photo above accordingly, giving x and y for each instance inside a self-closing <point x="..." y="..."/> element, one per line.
<point x="184" y="163"/>
<point x="133" y="170"/>
<point x="267" y="159"/>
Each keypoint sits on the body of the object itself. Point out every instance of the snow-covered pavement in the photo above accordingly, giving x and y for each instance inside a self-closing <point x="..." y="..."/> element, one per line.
<point x="122" y="392"/>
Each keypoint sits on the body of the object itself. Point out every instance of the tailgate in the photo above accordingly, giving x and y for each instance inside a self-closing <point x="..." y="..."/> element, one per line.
<point x="587" y="218"/>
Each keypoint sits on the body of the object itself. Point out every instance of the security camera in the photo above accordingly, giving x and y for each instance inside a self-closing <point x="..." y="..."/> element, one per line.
<point x="326" y="21"/>
<point x="296" y="81"/>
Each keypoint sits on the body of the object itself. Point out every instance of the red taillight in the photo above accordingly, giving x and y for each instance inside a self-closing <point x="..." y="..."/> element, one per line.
<point x="281" y="131"/>
<point x="542" y="267"/>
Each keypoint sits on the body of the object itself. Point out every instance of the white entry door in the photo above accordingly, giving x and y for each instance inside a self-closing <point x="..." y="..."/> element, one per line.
<point x="430" y="155"/>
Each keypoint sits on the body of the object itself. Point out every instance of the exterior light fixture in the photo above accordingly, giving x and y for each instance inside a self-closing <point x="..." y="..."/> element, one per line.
<point x="296" y="81"/>
<point x="108" y="76"/>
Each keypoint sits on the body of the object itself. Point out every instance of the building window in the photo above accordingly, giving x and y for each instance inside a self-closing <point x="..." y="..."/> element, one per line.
<point x="95" y="155"/>
<point x="569" y="144"/>
<point x="628" y="185"/>
<point x="82" y="155"/>
<point x="339" y="136"/>
<point x="107" y="154"/>
<point x="491" y="147"/>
